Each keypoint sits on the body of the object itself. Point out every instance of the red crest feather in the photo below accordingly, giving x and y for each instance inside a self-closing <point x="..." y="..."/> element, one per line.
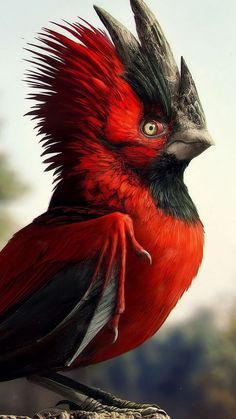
<point x="74" y="78"/>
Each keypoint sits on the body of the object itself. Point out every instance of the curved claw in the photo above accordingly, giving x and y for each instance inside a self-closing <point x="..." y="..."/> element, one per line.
<point x="116" y="333"/>
<point x="145" y="253"/>
<point x="154" y="410"/>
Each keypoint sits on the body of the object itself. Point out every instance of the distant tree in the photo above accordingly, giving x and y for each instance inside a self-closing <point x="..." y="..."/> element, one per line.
<point x="10" y="188"/>
<point x="217" y="382"/>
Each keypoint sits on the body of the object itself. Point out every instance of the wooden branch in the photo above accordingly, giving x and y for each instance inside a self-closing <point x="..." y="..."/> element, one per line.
<point x="55" y="413"/>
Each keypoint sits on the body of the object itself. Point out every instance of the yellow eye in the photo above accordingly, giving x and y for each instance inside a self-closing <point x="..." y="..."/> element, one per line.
<point x="152" y="128"/>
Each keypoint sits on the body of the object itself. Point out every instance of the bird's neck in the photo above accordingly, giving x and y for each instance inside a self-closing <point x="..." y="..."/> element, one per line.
<point x="100" y="181"/>
<point x="169" y="191"/>
<point x="110" y="186"/>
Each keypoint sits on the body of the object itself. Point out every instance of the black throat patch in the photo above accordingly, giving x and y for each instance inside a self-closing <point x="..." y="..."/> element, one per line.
<point x="165" y="180"/>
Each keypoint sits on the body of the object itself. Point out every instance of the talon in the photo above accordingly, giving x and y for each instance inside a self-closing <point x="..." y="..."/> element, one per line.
<point x="147" y="255"/>
<point x="114" y="327"/>
<point x="152" y="410"/>
<point x="116" y="333"/>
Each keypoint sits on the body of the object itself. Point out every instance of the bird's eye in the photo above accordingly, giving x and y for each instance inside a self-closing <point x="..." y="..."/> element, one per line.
<point x="152" y="128"/>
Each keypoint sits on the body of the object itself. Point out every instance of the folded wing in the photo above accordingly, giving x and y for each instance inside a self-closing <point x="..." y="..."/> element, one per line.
<point x="63" y="285"/>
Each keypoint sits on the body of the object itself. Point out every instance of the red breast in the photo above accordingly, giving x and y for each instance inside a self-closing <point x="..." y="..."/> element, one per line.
<point x="152" y="291"/>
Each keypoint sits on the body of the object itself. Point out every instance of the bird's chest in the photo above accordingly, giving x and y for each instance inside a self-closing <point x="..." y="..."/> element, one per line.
<point x="152" y="291"/>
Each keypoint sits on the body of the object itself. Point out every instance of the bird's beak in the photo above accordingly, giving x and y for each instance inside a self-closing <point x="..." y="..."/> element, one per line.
<point x="187" y="144"/>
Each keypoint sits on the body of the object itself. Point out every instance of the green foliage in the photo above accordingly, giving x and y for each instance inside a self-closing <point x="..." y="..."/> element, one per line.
<point x="189" y="370"/>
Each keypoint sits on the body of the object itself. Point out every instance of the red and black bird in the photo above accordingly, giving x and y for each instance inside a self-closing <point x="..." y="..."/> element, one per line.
<point x="98" y="273"/>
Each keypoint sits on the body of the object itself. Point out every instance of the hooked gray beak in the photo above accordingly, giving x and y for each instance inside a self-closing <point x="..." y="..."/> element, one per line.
<point x="187" y="144"/>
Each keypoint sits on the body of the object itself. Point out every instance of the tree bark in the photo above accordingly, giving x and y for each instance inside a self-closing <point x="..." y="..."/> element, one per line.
<point x="55" y="413"/>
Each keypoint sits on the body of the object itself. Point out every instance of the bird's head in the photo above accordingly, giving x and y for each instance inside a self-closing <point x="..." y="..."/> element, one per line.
<point x="120" y="104"/>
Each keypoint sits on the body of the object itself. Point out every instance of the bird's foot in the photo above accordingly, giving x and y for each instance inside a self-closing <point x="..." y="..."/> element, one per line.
<point x="90" y="399"/>
<point x="125" y="408"/>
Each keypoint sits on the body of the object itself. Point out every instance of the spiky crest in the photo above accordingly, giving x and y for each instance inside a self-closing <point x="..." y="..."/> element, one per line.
<point x="75" y="78"/>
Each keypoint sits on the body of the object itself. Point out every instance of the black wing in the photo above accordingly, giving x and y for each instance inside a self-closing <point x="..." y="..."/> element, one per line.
<point x="53" y="326"/>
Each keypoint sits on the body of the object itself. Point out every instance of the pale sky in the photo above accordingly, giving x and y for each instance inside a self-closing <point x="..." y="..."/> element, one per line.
<point x="204" y="33"/>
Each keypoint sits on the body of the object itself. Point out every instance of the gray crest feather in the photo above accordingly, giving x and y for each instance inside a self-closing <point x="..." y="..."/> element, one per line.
<point x="143" y="69"/>
<point x="188" y="97"/>
<point x="153" y="42"/>
<point x="150" y="67"/>
<point x="124" y="41"/>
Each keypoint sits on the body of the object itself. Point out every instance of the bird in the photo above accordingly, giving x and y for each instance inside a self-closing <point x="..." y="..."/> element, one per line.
<point x="98" y="273"/>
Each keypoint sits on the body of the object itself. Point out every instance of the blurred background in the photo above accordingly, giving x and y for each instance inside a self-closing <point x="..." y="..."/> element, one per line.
<point x="189" y="368"/>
